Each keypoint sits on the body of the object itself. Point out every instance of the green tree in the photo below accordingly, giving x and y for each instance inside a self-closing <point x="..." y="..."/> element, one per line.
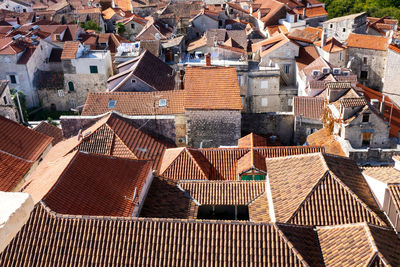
<point x="120" y="28"/>
<point x="90" y="25"/>
<point x="51" y="121"/>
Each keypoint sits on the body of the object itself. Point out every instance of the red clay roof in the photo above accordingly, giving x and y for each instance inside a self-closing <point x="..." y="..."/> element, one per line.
<point x="50" y="130"/>
<point x="252" y="140"/>
<point x="325" y="139"/>
<point x="12" y="170"/>
<point x="367" y="41"/>
<point x="21" y="141"/>
<point x="99" y="185"/>
<point x="70" y="49"/>
<point x="212" y="88"/>
<point x="308" y="107"/>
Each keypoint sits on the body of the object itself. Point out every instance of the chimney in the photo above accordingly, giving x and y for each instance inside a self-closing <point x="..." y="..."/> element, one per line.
<point x="208" y="59"/>
<point x="323" y="38"/>
<point x="304" y="13"/>
<point x="383" y="105"/>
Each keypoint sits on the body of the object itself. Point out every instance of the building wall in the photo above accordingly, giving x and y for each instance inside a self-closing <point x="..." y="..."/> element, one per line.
<point x="336" y="59"/>
<point x="376" y="63"/>
<point x="379" y="137"/>
<point x="129" y="86"/>
<point x="13" y="6"/>
<point x="304" y="127"/>
<point x="357" y="25"/>
<point x="204" y="23"/>
<point x="214" y="127"/>
<point x="392" y="76"/>
<point x="130" y="33"/>
<point x="316" y="21"/>
<point x="279" y="124"/>
<point x="263" y="92"/>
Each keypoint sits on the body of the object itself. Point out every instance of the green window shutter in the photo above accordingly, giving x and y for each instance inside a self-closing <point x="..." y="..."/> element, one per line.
<point x="259" y="177"/>
<point x="71" y="86"/>
<point x="246" y="177"/>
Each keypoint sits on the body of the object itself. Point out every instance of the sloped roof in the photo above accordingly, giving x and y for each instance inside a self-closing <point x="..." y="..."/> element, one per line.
<point x="223" y="192"/>
<point x="332" y="45"/>
<point x="252" y="140"/>
<point x="367" y="41"/>
<point x="306" y="56"/>
<point x="145" y="68"/>
<point x="314" y="177"/>
<point x="21" y="141"/>
<point x="98" y="185"/>
<point x="384" y="174"/>
<point x="70" y="50"/>
<point x="135" y="103"/>
<point x="12" y="170"/>
<point x="303" y="35"/>
<point x="221" y="163"/>
<point x="325" y="139"/>
<point x="270" y="44"/>
<point x="250" y="161"/>
<point x="50" y="130"/>
<point x="359" y="245"/>
<point x="212" y="88"/>
<point x="308" y="107"/>
<point x="120" y="137"/>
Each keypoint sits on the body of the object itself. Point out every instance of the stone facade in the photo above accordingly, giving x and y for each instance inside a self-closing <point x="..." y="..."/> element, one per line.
<point x="213" y="128"/>
<point x="303" y="127"/>
<point x="392" y="76"/>
<point x="336" y="59"/>
<point x="7" y="106"/>
<point x="369" y="66"/>
<point x="341" y="27"/>
<point x="132" y="28"/>
<point x="279" y="124"/>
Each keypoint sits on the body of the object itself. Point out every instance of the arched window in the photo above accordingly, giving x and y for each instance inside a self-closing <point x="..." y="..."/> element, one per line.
<point x="71" y="86"/>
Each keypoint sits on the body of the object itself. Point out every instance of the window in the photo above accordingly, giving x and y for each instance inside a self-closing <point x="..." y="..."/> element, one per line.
<point x="264" y="84"/>
<point x="287" y="68"/>
<point x="340" y="56"/>
<point x="93" y="69"/>
<point x="13" y="79"/>
<point x="162" y="103"/>
<point x="58" y="37"/>
<point x="71" y="86"/>
<point x="264" y="102"/>
<point x="103" y="44"/>
<point x="133" y="81"/>
<point x="331" y="26"/>
<point x="60" y="93"/>
<point x="5" y="100"/>
<point x="365" y="60"/>
<point x="290" y="102"/>
<point x="132" y="26"/>
<point x="223" y="212"/>
<point x="111" y="103"/>
<point x="308" y="131"/>
<point x="344" y="29"/>
<point x="364" y="75"/>
<point x="253" y="176"/>
<point x="366" y="139"/>
<point x="73" y="103"/>
<point x="365" y="118"/>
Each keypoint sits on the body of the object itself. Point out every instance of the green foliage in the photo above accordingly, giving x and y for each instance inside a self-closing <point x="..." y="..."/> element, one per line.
<point x="90" y="25"/>
<point x="51" y="121"/>
<point x="374" y="8"/>
<point x="120" y="28"/>
<point x="22" y="101"/>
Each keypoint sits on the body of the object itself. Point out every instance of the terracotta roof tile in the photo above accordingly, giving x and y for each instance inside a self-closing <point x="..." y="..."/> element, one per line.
<point x="21" y="141"/>
<point x="308" y="107"/>
<point x="70" y="50"/>
<point x="99" y="185"/>
<point x="252" y="160"/>
<point x="314" y="178"/>
<point x="332" y="45"/>
<point x="306" y="56"/>
<point x="304" y="35"/>
<point x="259" y="209"/>
<point x="383" y="174"/>
<point x="50" y="130"/>
<point x="252" y="140"/>
<point x="135" y="103"/>
<point x="394" y="191"/>
<point x="367" y="41"/>
<point x="223" y="192"/>
<point x="223" y="161"/>
<point x="325" y="139"/>
<point x="12" y="170"/>
<point x="212" y="88"/>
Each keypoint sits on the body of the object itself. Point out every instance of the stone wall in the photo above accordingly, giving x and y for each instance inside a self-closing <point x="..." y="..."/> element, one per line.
<point x="71" y="125"/>
<point x="375" y="66"/>
<point x="10" y="112"/>
<point x="392" y="76"/>
<point x="303" y="127"/>
<point x="374" y="156"/>
<point x="213" y="127"/>
<point x="279" y="124"/>
<point x="341" y="28"/>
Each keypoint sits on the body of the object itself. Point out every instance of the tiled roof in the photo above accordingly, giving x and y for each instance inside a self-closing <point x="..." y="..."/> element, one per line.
<point x="367" y="41"/>
<point x="12" y="170"/>
<point x="325" y="139"/>
<point x="50" y="130"/>
<point x="303" y="35"/>
<point x="70" y="50"/>
<point x="212" y="88"/>
<point x="98" y="185"/>
<point x="359" y="245"/>
<point x="383" y="174"/>
<point x="223" y="192"/>
<point x="394" y="48"/>
<point x="135" y="103"/>
<point x="252" y="160"/>
<point x="315" y="178"/>
<point x="270" y="44"/>
<point x="21" y="141"/>
<point x="217" y="163"/>
<point x="125" y="5"/>
<point x="120" y="137"/>
<point x="259" y="209"/>
<point x="144" y="69"/>
<point x="332" y="45"/>
<point x="312" y="12"/>
<point x="394" y="191"/>
<point x="352" y="102"/>
<point x="252" y="140"/>
<point x="306" y="56"/>
<point x="161" y="242"/>
<point x="308" y="107"/>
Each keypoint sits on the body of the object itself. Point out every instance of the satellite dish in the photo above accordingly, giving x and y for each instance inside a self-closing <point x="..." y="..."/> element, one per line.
<point x="157" y="36"/>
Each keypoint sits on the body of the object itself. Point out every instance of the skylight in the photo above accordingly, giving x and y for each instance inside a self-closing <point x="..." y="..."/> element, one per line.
<point x="111" y="103"/>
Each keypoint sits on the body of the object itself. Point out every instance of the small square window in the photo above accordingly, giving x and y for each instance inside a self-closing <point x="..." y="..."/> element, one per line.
<point x="60" y="93"/>
<point x="111" y="103"/>
<point x="364" y="75"/>
<point x="365" y="60"/>
<point x="132" y="26"/>
<point x="264" y="102"/>
<point x="13" y="79"/>
<point x="344" y="29"/>
<point x="264" y="84"/>
<point x="133" y="81"/>
<point x="162" y="103"/>
<point x="93" y="69"/>
<point x="365" y="118"/>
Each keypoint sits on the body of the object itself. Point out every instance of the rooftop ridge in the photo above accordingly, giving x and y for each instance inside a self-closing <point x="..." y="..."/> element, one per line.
<point x="12" y="155"/>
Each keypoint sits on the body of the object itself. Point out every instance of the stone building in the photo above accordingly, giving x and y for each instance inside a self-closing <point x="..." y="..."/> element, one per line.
<point x="368" y="55"/>
<point x="84" y="71"/>
<point x="333" y="52"/>
<point x="341" y="27"/>
<point x="392" y="74"/>
<point x="7" y="105"/>
<point x="133" y="25"/>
